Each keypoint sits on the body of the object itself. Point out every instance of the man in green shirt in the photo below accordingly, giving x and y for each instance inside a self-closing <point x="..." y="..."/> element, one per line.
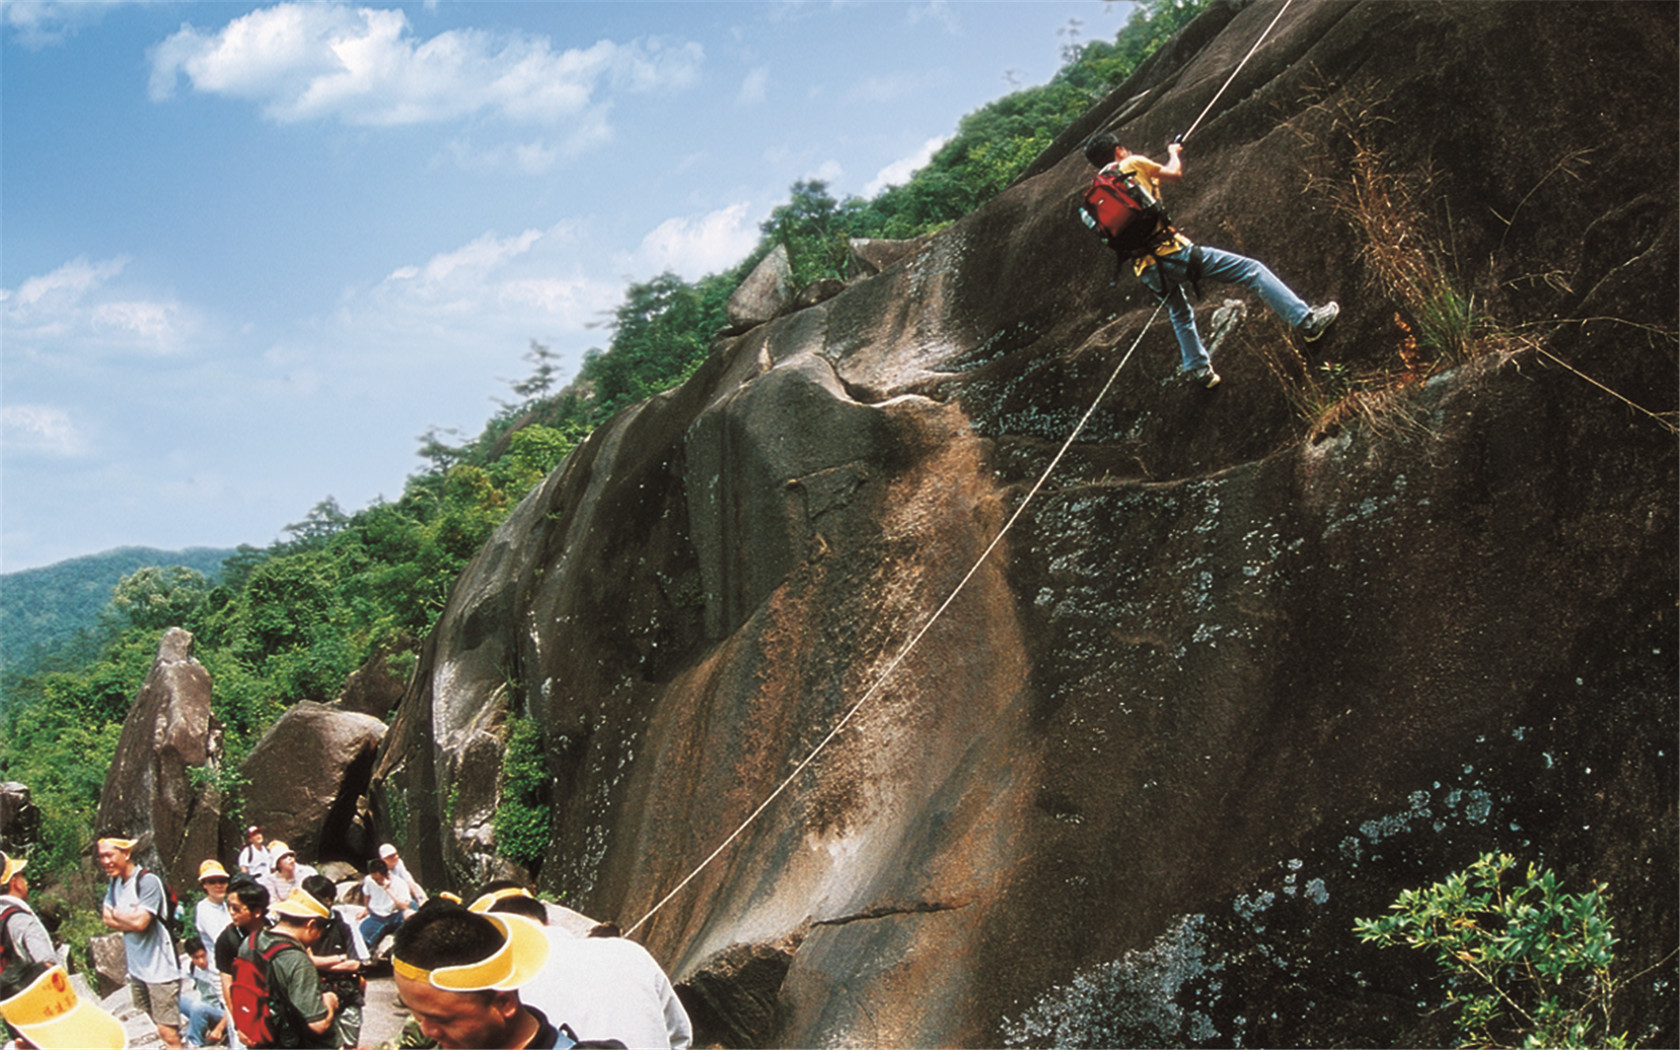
<point x="302" y="1012"/>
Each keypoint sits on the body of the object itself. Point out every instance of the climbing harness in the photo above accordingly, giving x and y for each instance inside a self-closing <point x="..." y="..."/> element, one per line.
<point x="881" y="679"/>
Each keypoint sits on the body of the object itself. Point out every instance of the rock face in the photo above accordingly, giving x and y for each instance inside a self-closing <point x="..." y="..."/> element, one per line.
<point x="1233" y="679"/>
<point x="20" y="818"/>
<point x="149" y="792"/>
<point x="304" y="777"/>
<point x="765" y="293"/>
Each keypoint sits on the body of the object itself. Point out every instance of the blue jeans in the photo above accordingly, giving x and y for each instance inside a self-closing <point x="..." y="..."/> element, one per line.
<point x="200" y="1017"/>
<point x="376" y="926"/>
<point x="1228" y="268"/>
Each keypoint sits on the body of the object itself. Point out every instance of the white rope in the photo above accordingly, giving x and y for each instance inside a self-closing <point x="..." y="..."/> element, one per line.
<point x="881" y="679"/>
<point x="1240" y="65"/>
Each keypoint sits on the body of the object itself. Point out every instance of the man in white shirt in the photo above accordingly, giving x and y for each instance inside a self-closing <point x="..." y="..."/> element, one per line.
<point x="389" y="901"/>
<point x="254" y="859"/>
<point x="134" y="903"/>
<point x="394" y="864"/>
<point x="600" y="987"/>
<point x="25" y="939"/>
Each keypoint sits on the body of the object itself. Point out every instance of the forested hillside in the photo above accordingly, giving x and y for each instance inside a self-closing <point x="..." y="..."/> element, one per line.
<point x="289" y="622"/>
<point x="41" y="610"/>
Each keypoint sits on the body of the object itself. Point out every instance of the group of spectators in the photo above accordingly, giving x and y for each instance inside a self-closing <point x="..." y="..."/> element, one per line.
<point x="491" y="973"/>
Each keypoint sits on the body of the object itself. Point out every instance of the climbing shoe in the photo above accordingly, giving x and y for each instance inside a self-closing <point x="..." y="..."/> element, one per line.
<point x="1203" y="377"/>
<point x="1318" y="319"/>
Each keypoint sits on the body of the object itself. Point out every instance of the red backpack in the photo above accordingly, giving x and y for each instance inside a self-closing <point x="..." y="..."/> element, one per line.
<point x="1132" y="221"/>
<point x="249" y="1003"/>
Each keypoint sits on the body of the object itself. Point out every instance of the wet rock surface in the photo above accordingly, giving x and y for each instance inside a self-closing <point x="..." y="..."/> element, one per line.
<point x="1232" y="680"/>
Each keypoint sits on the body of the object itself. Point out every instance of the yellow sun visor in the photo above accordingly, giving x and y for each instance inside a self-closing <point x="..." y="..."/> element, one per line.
<point x="523" y="953"/>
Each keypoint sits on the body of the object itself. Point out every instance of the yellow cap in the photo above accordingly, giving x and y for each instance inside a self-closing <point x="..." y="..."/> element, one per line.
<point x="211" y="869"/>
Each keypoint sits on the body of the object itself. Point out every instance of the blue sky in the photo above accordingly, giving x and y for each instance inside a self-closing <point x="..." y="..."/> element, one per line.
<point x="249" y="253"/>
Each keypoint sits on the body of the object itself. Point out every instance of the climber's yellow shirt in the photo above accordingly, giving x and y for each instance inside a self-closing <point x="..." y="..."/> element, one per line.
<point x="1149" y="173"/>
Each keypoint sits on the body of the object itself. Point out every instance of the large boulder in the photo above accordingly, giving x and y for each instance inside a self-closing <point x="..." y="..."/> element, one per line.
<point x="150" y="791"/>
<point x="371" y="689"/>
<point x="110" y="962"/>
<point x="765" y="293"/>
<point x="1251" y="663"/>
<point x="20" y="818"/>
<point x="304" y="776"/>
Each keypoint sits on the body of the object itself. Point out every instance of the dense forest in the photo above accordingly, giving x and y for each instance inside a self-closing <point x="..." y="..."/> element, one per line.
<point x="54" y="611"/>
<point x="289" y="622"/>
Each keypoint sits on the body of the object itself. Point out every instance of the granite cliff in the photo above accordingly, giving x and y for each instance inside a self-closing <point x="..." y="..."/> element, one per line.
<point x="1253" y="661"/>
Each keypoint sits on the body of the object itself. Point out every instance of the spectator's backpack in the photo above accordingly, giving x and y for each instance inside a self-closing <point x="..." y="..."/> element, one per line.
<point x="250" y="1004"/>
<point x="7" y="955"/>
<point x="1128" y="216"/>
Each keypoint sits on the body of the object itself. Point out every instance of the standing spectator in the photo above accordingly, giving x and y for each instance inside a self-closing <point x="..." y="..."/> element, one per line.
<point x="211" y="917"/>
<point x="603" y="986"/>
<point x="22" y="937"/>
<point x="247" y="902"/>
<point x="459" y="975"/>
<point x="302" y="1012"/>
<point x="337" y="965"/>
<point x="135" y="903"/>
<point x="389" y="902"/>
<point x="287" y="875"/>
<point x="254" y="859"/>
<point x="201" y="996"/>
<point x="394" y="864"/>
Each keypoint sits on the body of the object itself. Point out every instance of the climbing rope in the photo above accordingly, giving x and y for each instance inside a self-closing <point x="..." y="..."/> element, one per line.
<point x="1209" y="107"/>
<point x="881" y="679"/>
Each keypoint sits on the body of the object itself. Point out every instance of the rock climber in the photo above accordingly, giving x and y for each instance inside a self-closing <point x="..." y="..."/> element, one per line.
<point x="1175" y="262"/>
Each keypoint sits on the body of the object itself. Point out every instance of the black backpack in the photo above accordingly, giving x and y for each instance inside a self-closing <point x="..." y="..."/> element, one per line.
<point x="171" y="915"/>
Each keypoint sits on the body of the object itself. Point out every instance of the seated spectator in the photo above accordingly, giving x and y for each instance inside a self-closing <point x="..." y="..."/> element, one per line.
<point x="389" y="902"/>
<point x="394" y="864"/>
<point x="287" y="874"/>
<point x="603" y="987"/>
<point x="38" y="1001"/>
<point x="201" y="996"/>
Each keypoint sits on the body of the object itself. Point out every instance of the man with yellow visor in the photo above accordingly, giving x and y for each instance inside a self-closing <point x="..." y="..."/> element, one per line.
<point x="459" y="974"/>
<point x="303" y="1013"/>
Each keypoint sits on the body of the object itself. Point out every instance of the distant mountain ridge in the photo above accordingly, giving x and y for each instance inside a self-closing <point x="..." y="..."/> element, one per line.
<point x="42" y="608"/>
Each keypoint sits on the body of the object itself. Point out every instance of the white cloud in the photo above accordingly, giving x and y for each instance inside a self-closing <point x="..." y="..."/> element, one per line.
<point x="43" y="23"/>
<point x="366" y="67"/>
<point x="699" y="245"/>
<point x="754" y="89"/>
<point x="43" y="429"/>
<point x="493" y="293"/>
<point x="899" y="171"/>
<point x="74" y="308"/>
